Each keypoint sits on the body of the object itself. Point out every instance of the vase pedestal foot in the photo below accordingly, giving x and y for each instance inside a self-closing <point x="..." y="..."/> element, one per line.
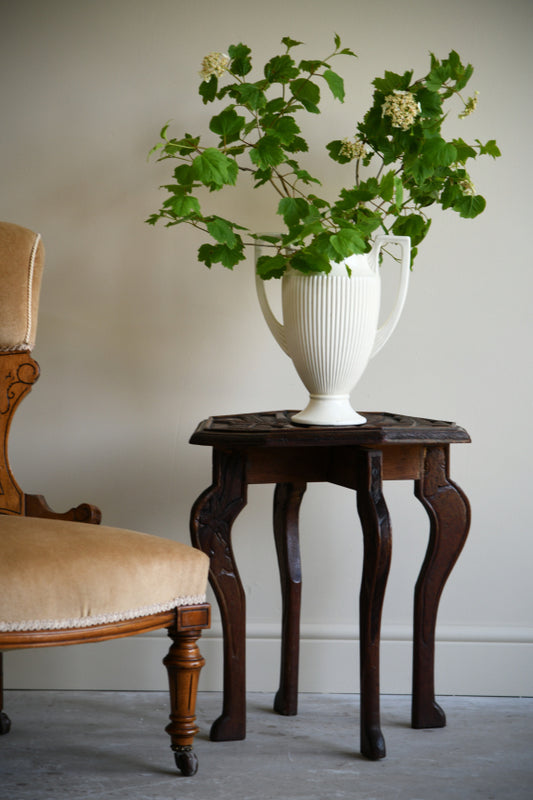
<point x="332" y="409"/>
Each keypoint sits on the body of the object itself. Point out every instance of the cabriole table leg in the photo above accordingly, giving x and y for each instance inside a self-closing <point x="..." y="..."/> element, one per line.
<point x="287" y="500"/>
<point x="212" y="518"/>
<point x="377" y="537"/>
<point x="449" y="513"/>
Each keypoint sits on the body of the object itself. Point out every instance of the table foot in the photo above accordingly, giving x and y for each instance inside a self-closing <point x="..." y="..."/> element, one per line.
<point x="430" y="715"/>
<point x="227" y="729"/>
<point x="287" y="707"/>
<point x="449" y="514"/>
<point x="373" y="743"/>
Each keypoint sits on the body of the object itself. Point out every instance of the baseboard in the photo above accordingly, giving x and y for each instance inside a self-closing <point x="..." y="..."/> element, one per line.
<point x="469" y="661"/>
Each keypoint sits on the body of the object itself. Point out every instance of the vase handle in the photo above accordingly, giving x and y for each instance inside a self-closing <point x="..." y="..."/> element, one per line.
<point x="276" y="328"/>
<point x="385" y="331"/>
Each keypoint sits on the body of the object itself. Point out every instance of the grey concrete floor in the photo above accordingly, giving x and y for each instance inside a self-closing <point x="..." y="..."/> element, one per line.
<point x="74" y="745"/>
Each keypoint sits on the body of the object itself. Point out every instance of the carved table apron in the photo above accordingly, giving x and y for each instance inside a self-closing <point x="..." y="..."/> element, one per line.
<point x="268" y="448"/>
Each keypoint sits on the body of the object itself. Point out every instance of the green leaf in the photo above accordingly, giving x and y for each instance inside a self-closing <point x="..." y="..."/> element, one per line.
<point x="184" y="175"/>
<point x="271" y="266"/>
<point x="235" y="151"/>
<point x="438" y="74"/>
<point x="430" y="103"/>
<point x="335" y="83"/>
<point x="470" y="206"/>
<point x="240" y="59"/>
<point x="350" y="198"/>
<point x="208" y="89"/>
<point x="262" y="176"/>
<point x="267" y="152"/>
<point x="311" y="259"/>
<point x="318" y="202"/>
<point x="280" y="69"/>
<point x="392" y="81"/>
<point x="464" y="150"/>
<point x="163" y="131"/>
<point x="222" y="231"/>
<point x="386" y="186"/>
<point x="288" y="42"/>
<point x="293" y="209"/>
<point x="284" y="128"/>
<point x="451" y="194"/>
<point x="398" y="193"/>
<point x="248" y="94"/>
<point x="275" y="106"/>
<point x="211" y="254"/>
<point x="347" y="242"/>
<point x="309" y="229"/>
<point x="438" y="152"/>
<point x="412" y="225"/>
<point x="334" y="149"/>
<point x="418" y="169"/>
<point x="228" y="124"/>
<point x="302" y="174"/>
<point x="367" y="221"/>
<point x="187" y="144"/>
<point x="307" y="93"/>
<point x="271" y="238"/>
<point x="182" y="205"/>
<point x="490" y="148"/>
<point x="214" y="169"/>
<point x="310" y="66"/>
<point x="155" y="148"/>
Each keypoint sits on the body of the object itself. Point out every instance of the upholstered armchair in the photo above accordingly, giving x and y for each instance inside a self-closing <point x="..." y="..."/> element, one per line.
<point x="65" y="579"/>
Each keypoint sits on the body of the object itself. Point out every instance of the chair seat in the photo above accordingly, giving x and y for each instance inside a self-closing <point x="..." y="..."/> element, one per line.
<point x="57" y="575"/>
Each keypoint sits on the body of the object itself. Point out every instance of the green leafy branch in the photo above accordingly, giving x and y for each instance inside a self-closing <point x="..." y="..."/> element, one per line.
<point x="259" y="137"/>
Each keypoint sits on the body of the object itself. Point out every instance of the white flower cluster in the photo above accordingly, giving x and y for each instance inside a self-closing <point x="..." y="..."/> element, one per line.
<point x="402" y="108"/>
<point x="470" y="106"/>
<point x="214" y="64"/>
<point x="467" y="186"/>
<point x="352" y="148"/>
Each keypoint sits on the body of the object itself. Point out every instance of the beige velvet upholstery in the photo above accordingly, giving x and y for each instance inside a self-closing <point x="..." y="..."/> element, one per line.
<point x="21" y="266"/>
<point x="56" y="574"/>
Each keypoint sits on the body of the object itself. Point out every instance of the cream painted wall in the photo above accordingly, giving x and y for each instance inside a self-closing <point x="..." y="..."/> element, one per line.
<point x="138" y="343"/>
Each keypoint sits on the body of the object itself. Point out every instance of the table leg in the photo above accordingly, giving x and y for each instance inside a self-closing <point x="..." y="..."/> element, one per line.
<point x="449" y="514"/>
<point x="377" y="537"/>
<point x="212" y="518"/>
<point x="287" y="500"/>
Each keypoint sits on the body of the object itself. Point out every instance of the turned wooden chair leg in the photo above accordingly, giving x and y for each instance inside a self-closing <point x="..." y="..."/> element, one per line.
<point x="183" y="663"/>
<point x="5" y="722"/>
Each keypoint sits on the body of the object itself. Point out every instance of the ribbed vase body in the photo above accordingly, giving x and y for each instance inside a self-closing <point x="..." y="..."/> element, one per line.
<point x="330" y="323"/>
<point x="330" y="328"/>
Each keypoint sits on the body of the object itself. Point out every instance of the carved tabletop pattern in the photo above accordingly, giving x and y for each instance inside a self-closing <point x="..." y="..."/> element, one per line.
<point x="275" y="429"/>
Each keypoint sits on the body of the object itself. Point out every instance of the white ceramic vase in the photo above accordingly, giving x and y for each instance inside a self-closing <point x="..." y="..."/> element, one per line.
<point x="330" y="328"/>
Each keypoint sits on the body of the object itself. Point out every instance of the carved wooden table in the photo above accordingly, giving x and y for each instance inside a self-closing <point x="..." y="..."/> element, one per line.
<point x="267" y="448"/>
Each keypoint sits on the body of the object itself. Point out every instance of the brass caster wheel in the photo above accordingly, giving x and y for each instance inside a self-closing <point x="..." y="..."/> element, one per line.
<point x="5" y="723"/>
<point x="186" y="761"/>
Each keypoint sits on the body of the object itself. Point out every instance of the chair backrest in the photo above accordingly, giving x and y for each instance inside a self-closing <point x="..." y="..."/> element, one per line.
<point x="21" y="266"/>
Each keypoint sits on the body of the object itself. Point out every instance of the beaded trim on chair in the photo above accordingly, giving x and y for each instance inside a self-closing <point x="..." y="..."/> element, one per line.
<point x="100" y="619"/>
<point x="15" y="348"/>
<point x="31" y="269"/>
